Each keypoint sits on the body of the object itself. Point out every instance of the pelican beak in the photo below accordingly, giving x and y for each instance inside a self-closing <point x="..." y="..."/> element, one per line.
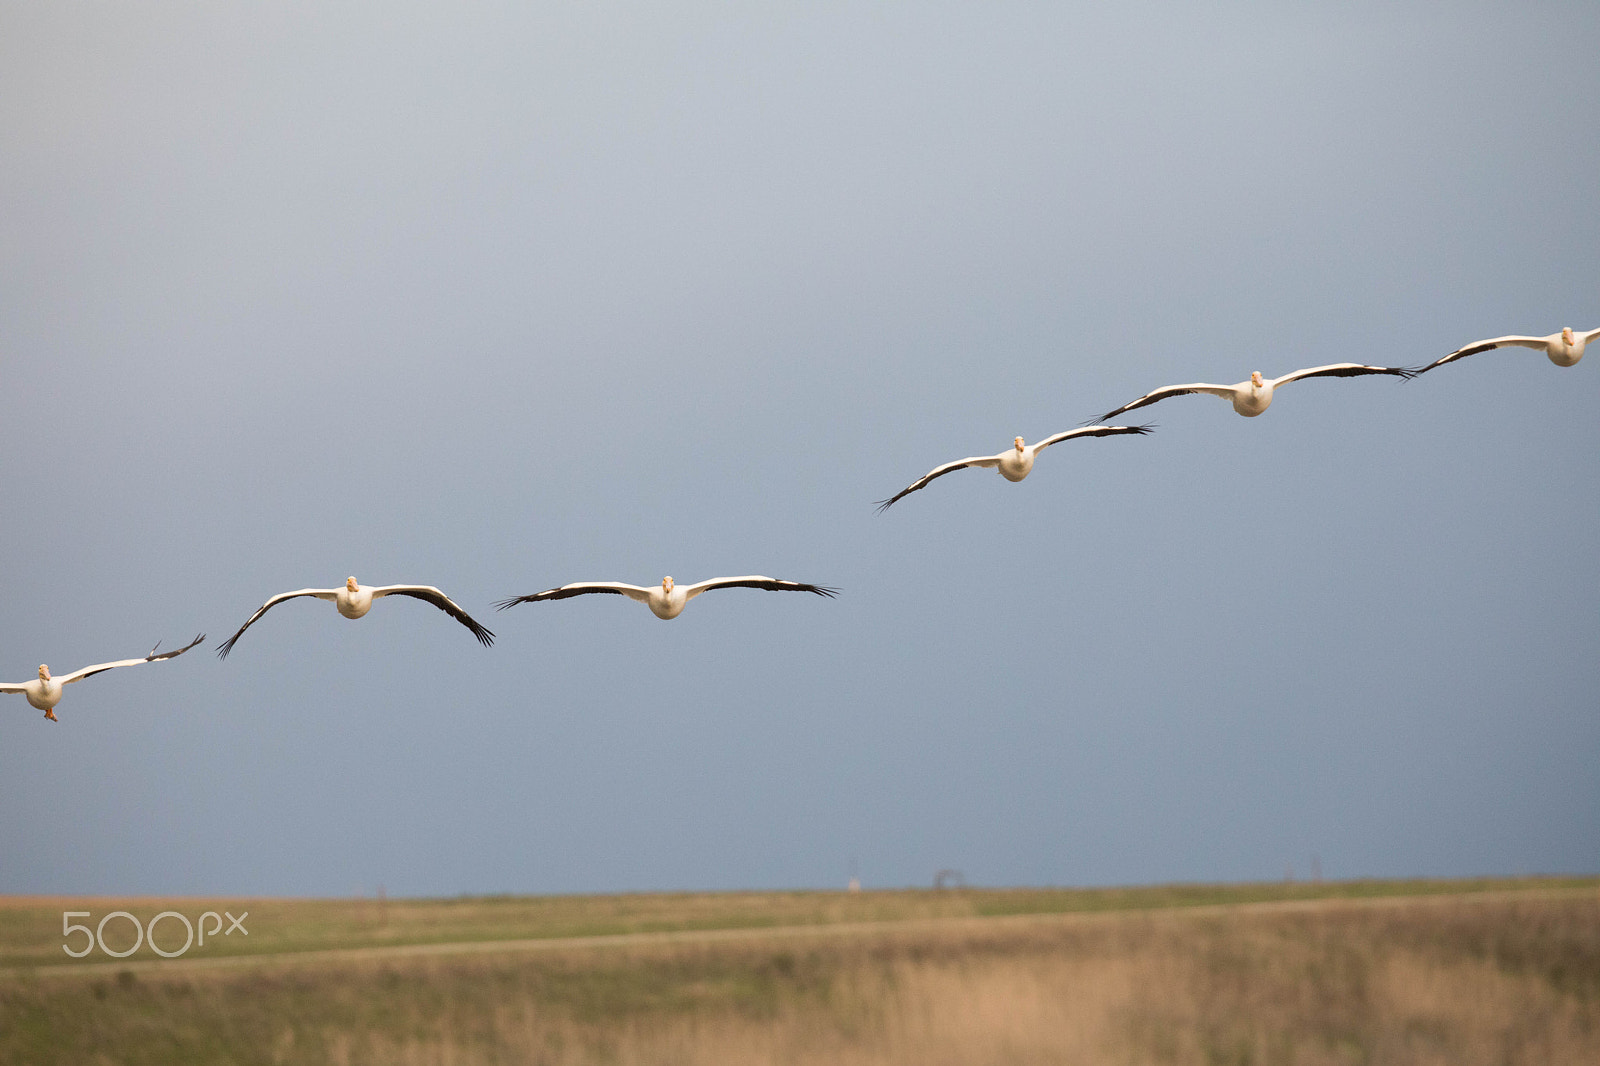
<point x="44" y="672"/>
<point x="350" y="584"/>
<point x="1566" y="334"/>
<point x="1255" y="378"/>
<point x="666" y="584"/>
<point x="1018" y="443"/>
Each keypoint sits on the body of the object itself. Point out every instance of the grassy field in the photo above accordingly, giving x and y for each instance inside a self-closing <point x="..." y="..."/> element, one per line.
<point x="1368" y="972"/>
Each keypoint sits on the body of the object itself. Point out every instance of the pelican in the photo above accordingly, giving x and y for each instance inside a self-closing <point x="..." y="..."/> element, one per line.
<point x="45" y="692"/>
<point x="355" y="600"/>
<point x="1252" y="397"/>
<point x="1015" y="462"/>
<point x="667" y="600"/>
<point x="1564" y="348"/>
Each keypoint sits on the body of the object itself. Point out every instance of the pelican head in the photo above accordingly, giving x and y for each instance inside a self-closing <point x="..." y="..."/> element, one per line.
<point x="350" y="584"/>
<point x="1566" y="334"/>
<point x="1255" y="378"/>
<point x="44" y="672"/>
<point x="666" y="584"/>
<point x="1018" y="443"/>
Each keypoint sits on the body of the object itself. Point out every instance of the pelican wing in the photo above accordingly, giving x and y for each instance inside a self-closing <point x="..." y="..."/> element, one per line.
<point x="90" y="671"/>
<point x="1225" y="391"/>
<point x="756" y="581"/>
<point x="1489" y="345"/>
<point x="432" y="595"/>
<point x="580" y="588"/>
<point x="19" y="687"/>
<point x="1344" y="370"/>
<point x="939" y="471"/>
<point x="321" y="594"/>
<point x="1090" y="431"/>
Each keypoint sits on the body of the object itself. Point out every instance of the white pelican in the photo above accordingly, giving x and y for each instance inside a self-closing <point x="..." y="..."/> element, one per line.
<point x="1252" y="397"/>
<point x="355" y="600"/>
<point x="45" y="692"/>
<point x="1564" y="348"/>
<point x="667" y="600"/>
<point x="1015" y="462"/>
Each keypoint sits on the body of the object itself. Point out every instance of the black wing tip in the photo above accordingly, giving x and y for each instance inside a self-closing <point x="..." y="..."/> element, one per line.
<point x="880" y="506"/>
<point x="227" y="646"/>
<point x="485" y="637"/>
<point x="512" y="602"/>
<point x="198" y="639"/>
<point x="823" y="590"/>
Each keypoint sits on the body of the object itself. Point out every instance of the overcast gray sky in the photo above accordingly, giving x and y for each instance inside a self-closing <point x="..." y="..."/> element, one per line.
<point x="498" y="299"/>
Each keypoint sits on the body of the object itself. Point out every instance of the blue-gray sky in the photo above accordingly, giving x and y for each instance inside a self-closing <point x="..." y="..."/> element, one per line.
<point x="498" y="298"/>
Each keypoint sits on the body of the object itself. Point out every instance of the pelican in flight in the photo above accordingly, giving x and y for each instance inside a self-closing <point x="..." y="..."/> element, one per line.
<point x="1564" y="348"/>
<point x="1014" y="463"/>
<point x="45" y="692"/>
<point x="667" y="600"/>
<point x="355" y="600"/>
<point x="1252" y="397"/>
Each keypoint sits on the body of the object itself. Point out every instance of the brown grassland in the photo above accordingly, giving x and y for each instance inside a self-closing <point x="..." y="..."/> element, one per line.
<point x="1401" y="972"/>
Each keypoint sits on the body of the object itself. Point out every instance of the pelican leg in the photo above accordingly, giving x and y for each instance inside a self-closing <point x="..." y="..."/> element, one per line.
<point x="50" y="713"/>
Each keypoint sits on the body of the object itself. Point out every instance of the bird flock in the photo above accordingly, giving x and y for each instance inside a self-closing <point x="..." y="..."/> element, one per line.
<point x="668" y="599"/>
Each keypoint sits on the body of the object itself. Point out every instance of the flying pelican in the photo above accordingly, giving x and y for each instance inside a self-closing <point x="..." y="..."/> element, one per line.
<point x="1564" y="348"/>
<point x="667" y="600"/>
<point x="1015" y="462"/>
<point x="1252" y="397"/>
<point x="45" y="692"/>
<point x="355" y="600"/>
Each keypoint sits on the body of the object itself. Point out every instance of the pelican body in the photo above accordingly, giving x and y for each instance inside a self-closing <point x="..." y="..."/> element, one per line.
<point x="1015" y="463"/>
<point x="1251" y="398"/>
<point x="668" y="599"/>
<point x="44" y="691"/>
<point x="355" y="600"/>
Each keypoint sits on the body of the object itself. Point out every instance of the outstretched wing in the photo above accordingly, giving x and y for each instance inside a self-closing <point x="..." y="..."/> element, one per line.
<point x="756" y="581"/>
<point x="90" y="671"/>
<point x="939" y="471"/>
<point x="1090" y="431"/>
<point x="1225" y="391"/>
<point x="1344" y="370"/>
<point x="1490" y="345"/>
<point x="429" y="594"/>
<point x="321" y="594"/>
<point x="580" y="588"/>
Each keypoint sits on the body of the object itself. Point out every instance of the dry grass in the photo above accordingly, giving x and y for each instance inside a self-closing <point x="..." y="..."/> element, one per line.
<point x="1459" y="981"/>
<point x="30" y="927"/>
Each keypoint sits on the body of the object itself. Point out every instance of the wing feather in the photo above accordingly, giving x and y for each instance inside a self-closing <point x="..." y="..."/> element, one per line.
<point x="429" y="594"/>
<point x="1344" y="370"/>
<point x="938" y="471"/>
<point x="1513" y="341"/>
<point x="1225" y="391"/>
<point x="1090" y="431"/>
<point x="100" y="668"/>
<point x="580" y="588"/>
<point x="757" y="581"/>
<point x="321" y="594"/>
